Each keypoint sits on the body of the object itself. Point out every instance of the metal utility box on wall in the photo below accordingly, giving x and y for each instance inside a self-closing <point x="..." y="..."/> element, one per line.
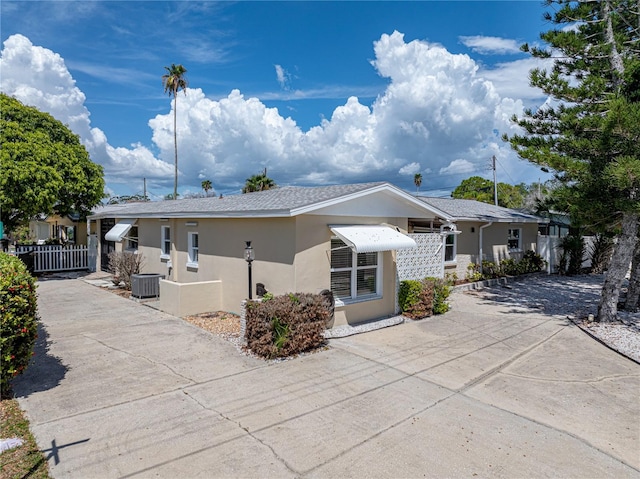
<point x="146" y="285"/>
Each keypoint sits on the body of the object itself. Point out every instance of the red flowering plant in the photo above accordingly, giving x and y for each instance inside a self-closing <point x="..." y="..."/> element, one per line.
<point x="19" y="319"/>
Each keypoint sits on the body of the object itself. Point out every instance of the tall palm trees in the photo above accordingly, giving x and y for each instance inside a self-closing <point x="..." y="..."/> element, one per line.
<point x="173" y="81"/>
<point x="206" y="186"/>
<point x="259" y="182"/>
<point x="417" y="180"/>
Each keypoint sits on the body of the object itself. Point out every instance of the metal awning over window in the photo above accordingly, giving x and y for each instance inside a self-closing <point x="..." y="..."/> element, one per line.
<point x="372" y="238"/>
<point x="120" y="230"/>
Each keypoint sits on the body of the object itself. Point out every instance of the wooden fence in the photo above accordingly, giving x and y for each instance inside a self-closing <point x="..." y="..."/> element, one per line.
<point x="49" y="258"/>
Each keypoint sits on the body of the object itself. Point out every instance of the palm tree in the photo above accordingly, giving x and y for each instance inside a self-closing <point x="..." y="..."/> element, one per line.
<point x="206" y="186"/>
<point x="417" y="179"/>
<point x="259" y="182"/>
<point x="173" y="81"/>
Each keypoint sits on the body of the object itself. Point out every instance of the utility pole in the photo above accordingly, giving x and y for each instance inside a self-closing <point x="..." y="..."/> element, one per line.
<point x="495" y="182"/>
<point x="144" y="180"/>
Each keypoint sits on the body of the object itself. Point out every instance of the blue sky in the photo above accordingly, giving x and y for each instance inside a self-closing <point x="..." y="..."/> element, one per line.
<point x="316" y="92"/>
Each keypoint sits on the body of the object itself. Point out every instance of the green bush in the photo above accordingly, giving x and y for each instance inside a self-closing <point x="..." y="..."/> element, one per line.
<point x="286" y="325"/>
<point x="415" y="298"/>
<point x="409" y="293"/>
<point x="531" y="262"/>
<point x="441" y="291"/>
<point x="572" y="251"/>
<point x="18" y="313"/>
<point x="473" y="273"/>
<point x="490" y="270"/>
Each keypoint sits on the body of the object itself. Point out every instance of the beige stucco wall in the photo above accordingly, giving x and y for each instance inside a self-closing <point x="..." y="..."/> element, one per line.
<point x="313" y="264"/>
<point x="183" y="299"/>
<point x="292" y="255"/>
<point x="494" y="239"/>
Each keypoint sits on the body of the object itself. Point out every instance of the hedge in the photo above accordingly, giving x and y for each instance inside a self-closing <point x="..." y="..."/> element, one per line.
<point x="19" y="316"/>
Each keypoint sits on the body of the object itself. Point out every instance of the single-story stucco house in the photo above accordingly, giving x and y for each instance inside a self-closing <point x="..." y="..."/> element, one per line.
<point x="483" y="230"/>
<point x="306" y="239"/>
<point x="67" y="229"/>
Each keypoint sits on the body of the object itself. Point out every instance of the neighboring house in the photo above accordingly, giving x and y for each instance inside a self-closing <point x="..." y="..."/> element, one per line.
<point x="66" y="229"/>
<point x="306" y="239"/>
<point x="485" y="231"/>
<point x="557" y="225"/>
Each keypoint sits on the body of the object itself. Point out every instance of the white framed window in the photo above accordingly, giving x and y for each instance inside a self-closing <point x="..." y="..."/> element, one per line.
<point x="192" y="251"/>
<point x="514" y="239"/>
<point x="165" y="242"/>
<point x="354" y="275"/>
<point x="450" y="247"/>
<point x="132" y="238"/>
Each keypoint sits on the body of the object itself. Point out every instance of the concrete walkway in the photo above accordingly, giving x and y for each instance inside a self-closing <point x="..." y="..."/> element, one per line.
<point x="118" y="389"/>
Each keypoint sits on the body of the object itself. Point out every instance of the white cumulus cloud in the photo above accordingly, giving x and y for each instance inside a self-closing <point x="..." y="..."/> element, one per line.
<point x="491" y="45"/>
<point x="458" y="167"/>
<point x="39" y="77"/>
<point x="439" y="113"/>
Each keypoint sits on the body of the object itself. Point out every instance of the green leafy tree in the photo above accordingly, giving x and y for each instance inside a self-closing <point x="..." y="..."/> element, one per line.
<point x="417" y="180"/>
<point x="173" y="81"/>
<point x="481" y="189"/>
<point x="260" y="182"/>
<point x="589" y="136"/>
<point x="43" y="167"/>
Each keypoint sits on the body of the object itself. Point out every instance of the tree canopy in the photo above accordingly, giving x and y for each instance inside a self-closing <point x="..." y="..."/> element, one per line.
<point x="43" y="167"/>
<point x="481" y="189"/>
<point x="589" y="133"/>
<point x="259" y="182"/>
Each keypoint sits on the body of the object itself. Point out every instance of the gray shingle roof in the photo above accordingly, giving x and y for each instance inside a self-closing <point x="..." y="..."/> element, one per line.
<point x="475" y="210"/>
<point x="277" y="202"/>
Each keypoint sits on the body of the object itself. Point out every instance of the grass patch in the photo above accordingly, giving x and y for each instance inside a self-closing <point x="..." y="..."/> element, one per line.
<point x="25" y="461"/>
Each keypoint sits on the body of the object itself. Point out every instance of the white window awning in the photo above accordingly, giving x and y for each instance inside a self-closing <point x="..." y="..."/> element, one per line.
<point x="120" y="230"/>
<point x="372" y="238"/>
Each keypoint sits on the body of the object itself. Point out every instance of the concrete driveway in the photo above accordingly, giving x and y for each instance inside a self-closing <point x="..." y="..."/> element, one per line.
<point x="487" y="390"/>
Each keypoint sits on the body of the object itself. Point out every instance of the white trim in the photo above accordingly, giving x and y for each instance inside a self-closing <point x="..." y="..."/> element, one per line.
<point x="353" y="270"/>
<point x="455" y="249"/>
<point x="385" y="187"/>
<point x="519" y="238"/>
<point x="163" y="239"/>
<point x="119" y="231"/>
<point x="191" y="249"/>
<point x="372" y="238"/>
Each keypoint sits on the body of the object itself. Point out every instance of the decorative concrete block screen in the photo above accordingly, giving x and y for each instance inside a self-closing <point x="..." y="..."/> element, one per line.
<point x="425" y="260"/>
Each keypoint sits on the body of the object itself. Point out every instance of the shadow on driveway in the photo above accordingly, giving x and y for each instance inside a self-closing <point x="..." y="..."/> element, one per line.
<point x="573" y="296"/>
<point x="45" y="371"/>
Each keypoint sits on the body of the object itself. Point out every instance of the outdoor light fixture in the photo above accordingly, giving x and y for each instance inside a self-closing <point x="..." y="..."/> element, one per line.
<point x="249" y="256"/>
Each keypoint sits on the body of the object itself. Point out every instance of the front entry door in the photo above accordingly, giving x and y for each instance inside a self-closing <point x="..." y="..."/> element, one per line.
<point x="106" y="247"/>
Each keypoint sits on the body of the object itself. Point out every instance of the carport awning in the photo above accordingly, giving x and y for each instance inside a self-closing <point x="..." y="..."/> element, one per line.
<point x="120" y="230"/>
<point x="372" y="238"/>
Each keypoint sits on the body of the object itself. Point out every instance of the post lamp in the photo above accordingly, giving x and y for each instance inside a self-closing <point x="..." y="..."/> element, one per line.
<point x="249" y="256"/>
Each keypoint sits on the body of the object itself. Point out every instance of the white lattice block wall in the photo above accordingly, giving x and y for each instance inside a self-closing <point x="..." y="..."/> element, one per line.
<point x="424" y="260"/>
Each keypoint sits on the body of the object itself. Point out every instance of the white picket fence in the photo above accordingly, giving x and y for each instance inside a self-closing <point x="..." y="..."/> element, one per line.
<point x="50" y="258"/>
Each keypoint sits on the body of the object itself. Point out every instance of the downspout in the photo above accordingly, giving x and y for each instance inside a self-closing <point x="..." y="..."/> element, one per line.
<point x="480" y="240"/>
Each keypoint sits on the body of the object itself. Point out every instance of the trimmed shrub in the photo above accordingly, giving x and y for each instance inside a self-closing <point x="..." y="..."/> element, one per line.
<point x="286" y="325"/>
<point x="415" y="298"/>
<point x="441" y="291"/>
<point x="18" y="313"/>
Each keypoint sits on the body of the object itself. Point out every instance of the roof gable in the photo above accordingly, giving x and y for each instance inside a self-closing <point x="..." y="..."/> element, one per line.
<point x="279" y="202"/>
